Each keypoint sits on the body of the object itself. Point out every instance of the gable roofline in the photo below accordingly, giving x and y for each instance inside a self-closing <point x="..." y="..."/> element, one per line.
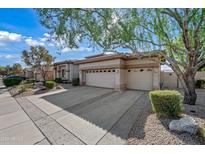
<point x="64" y="62"/>
<point x="124" y="56"/>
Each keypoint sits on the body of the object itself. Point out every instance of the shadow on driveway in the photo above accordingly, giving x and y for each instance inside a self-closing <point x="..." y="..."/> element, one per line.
<point x="113" y="112"/>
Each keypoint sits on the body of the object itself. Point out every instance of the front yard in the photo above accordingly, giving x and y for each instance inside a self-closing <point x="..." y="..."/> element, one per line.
<point x="88" y="115"/>
<point x="28" y="89"/>
<point x="156" y="131"/>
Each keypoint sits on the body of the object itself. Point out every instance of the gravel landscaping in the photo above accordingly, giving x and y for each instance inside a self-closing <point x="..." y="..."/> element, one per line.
<point x="155" y="130"/>
<point x="16" y="91"/>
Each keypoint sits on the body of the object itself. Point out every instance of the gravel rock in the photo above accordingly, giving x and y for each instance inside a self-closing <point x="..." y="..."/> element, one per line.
<point x="156" y="132"/>
<point x="185" y="124"/>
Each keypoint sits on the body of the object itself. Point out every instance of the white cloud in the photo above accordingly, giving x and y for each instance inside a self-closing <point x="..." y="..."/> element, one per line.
<point x="51" y="44"/>
<point x="43" y="39"/>
<point x="46" y="35"/>
<point x="33" y="42"/>
<point x="6" y="37"/>
<point x="76" y="49"/>
<point x="8" y="56"/>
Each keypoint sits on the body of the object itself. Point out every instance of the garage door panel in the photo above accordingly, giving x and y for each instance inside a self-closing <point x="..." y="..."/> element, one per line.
<point x="140" y="79"/>
<point x="101" y="79"/>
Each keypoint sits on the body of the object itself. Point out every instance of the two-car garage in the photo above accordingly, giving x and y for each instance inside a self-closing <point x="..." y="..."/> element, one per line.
<point x="139" y="79"/>
<point x="120" y="72"/>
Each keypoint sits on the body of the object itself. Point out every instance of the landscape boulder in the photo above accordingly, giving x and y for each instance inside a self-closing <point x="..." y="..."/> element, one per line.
<point x="185" y="124"/>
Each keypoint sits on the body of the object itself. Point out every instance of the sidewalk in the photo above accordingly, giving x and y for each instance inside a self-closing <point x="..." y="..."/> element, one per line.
<point x="15" y="125"/>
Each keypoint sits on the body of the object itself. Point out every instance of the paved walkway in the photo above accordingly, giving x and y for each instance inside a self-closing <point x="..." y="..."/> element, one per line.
<point x="15" y="125"/>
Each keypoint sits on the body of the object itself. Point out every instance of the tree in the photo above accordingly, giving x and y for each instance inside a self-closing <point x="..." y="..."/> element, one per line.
<point x="177" y="33"/>
<point x="16" y="68"/>
<point x="39" y="59"/>
<point x="8" y="69"/>
<point x="2" y="70"/>
<point x="202" y="69"/>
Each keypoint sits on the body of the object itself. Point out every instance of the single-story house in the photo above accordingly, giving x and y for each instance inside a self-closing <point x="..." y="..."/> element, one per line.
<point x="66" y="70"/>
<point x="121" y="71"/>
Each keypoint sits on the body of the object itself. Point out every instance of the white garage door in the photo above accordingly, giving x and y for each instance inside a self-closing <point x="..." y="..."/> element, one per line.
<point x="100" y="78"/>
<point x="140" y="79"/>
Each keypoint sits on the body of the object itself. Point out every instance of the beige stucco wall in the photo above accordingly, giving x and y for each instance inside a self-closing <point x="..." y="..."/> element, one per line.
<point x="140" y="61"/>
<point x="121" y="67"/>
<point x="29" y="73"/>
<point x="59" y="69"/>
<point x="120" y="79"/>
<point x="49" y="74"/>
<point x="74" y="71"/>
<point x="71" y="71"/>
<point x="170" y="80"/>
<point x="100" y="64"/>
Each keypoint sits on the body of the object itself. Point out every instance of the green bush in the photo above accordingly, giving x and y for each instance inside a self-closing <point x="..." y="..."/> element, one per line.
<point x="75" y="82"/>
<point x="50" y="84"/>
<point x="200" y="83"/>
<point x="8" y="82"/>
<point x="201" y="132"/>
<point x="166" y="102"/>
<point x="58" y="80"/>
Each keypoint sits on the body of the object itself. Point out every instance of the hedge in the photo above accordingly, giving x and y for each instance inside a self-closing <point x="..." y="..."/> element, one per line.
<point x="50" y="84"/>
<point x="166" y="102"/>
<point x="8" y="82"/>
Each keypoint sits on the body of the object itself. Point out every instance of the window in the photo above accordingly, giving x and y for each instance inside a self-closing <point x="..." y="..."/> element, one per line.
<point x="100" y="70"/>
<point x="141" y="70"/>
<point x="113" y="70"/>
<point x="129" y="70"/>
<point x="108" y="70"/>
<point x="105" y="71"/>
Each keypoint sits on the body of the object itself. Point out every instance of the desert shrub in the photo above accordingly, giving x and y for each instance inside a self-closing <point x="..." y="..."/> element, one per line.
<point x="29" y="81"/>
<point x="75" y="82"/>
<point x="200" y="83"/>
<point x="50" y="84"/>
<point x="166" y="102"/>
<point x="58" y="80"/>
<point x="8" y="82"/>
<point x="24" y="87"/>
<point x="201" y="132"/>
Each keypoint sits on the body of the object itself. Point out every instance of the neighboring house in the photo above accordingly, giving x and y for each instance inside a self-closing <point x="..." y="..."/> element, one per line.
<point x="121" y="71"/>
<point x="66" y="70"/>
<point x="37" y="74"/>
<point x="28" y="72"/>
<point x="48" y="72"/>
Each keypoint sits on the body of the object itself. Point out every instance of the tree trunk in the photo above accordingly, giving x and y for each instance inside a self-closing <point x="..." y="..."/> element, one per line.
<point x="190" y="95"/>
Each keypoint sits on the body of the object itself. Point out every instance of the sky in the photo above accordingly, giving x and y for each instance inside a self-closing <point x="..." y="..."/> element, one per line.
<point x="21" y="28"/>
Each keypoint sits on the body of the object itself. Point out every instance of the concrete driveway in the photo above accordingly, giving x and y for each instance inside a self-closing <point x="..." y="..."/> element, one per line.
<point x="78" y="115"/>
<point x="87" y="115"/>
